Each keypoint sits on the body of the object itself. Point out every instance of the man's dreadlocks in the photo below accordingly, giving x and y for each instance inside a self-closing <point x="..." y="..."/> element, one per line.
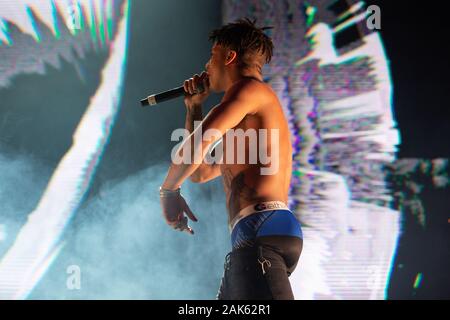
<point x="253" y="47"/>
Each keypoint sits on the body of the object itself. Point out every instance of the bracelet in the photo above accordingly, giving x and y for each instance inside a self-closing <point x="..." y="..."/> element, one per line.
<point x="164" y="193"/>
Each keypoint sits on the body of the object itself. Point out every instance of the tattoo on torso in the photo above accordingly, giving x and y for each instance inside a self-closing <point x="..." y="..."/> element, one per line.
<point x="238" y="191"/>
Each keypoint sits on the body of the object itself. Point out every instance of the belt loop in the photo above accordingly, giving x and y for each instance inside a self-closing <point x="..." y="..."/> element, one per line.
<point x="263" y="260"/>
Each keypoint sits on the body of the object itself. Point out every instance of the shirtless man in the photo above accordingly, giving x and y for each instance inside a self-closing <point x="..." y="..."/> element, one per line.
<point x="266" y="237"/>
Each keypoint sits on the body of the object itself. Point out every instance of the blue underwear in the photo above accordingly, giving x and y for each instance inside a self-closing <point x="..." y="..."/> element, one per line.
<point x="266" y="223"/>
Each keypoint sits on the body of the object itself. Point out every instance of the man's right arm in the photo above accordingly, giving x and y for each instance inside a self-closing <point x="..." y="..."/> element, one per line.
<point x="205" y="172"/>
<point x="194" y="115"/>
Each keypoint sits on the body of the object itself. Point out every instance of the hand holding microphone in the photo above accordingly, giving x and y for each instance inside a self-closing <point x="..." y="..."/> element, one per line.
<point x="195" y="90"/>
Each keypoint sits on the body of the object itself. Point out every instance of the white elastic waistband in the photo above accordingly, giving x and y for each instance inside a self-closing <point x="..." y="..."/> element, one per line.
<point x="255" y="208"/>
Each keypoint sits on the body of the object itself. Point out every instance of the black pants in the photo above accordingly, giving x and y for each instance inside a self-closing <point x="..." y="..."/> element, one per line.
<point x="261" y="272"/>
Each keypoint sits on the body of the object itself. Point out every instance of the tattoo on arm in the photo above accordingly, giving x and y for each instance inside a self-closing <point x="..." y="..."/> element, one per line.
<point x="192" y="116"/>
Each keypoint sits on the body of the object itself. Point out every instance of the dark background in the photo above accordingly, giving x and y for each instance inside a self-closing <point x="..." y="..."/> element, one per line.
<point x="415" y="36"/>
<point x="416" y="40"/>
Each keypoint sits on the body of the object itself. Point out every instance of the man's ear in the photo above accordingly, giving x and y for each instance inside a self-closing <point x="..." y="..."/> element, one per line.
<point x="231" y="57"/>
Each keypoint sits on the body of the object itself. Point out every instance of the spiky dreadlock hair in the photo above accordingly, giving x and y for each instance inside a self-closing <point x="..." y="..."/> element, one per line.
<point x="253" y="47"/>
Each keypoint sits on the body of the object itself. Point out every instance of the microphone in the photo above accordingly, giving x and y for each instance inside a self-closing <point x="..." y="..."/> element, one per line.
<point x="167" y="95"/>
